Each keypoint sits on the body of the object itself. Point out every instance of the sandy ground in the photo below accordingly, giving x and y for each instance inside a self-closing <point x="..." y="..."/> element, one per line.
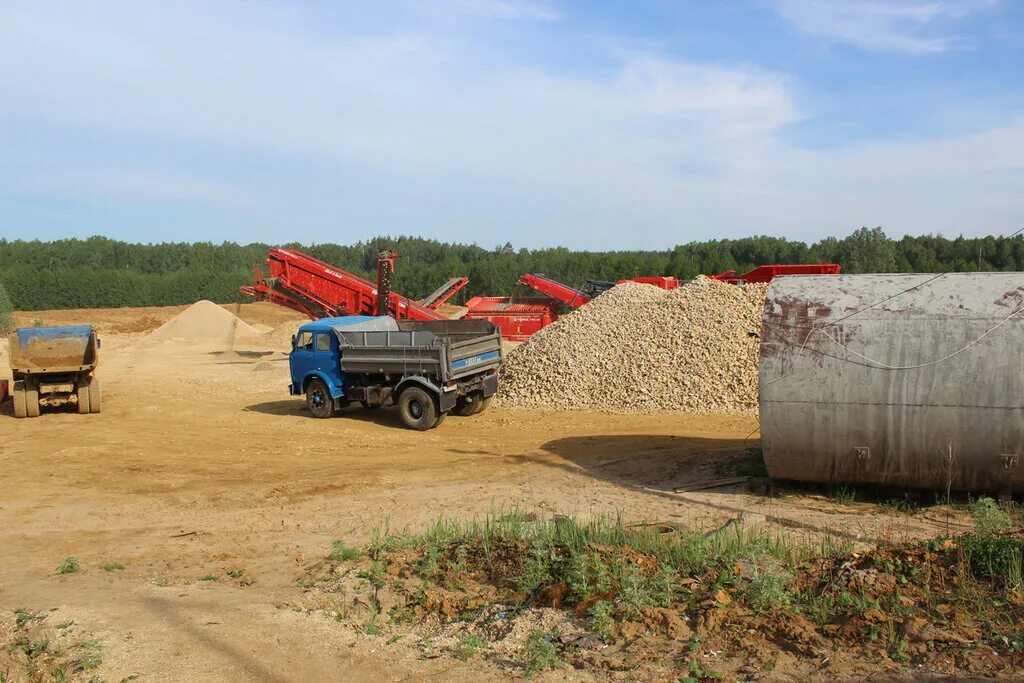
<point x="201" y="464"/>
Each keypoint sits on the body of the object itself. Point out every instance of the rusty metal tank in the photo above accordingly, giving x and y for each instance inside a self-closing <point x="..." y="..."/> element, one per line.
<point x="912" y="381"/>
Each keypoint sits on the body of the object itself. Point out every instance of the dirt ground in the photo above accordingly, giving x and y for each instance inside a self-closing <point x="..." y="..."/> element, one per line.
<point x="213" y="488"/>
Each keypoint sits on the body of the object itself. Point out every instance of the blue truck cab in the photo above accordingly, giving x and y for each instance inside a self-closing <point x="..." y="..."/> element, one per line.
<point x="426" y="368"/>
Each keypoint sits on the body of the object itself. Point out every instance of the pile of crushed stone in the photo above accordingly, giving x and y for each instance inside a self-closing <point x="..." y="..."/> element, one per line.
<point x="640" y="349"/>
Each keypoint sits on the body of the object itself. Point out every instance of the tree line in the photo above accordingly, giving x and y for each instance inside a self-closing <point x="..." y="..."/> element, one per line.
<point x="100" y="272"/>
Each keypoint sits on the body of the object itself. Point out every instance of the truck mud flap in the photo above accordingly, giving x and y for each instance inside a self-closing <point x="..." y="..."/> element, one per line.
<point x="490" y="384"/>
<point x="446" y="400"/>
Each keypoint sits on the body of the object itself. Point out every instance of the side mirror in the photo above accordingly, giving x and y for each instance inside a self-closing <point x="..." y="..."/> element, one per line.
<point x="293" y="342"/>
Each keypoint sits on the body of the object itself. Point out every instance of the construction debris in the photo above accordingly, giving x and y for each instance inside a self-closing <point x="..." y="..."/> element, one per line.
<point x="641" y="349"/>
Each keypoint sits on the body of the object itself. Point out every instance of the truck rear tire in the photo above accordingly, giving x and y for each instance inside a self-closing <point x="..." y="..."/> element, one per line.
<point x="31" y="399"/>
<point x="318" y="399"/>
<point x="95" y="395"/>
<point x="468" y="405"/>
<point x="484" y="404"/>
<point x="418" y="409"/>
<point x="83" y="399"/>
<point x="18" y="396"/>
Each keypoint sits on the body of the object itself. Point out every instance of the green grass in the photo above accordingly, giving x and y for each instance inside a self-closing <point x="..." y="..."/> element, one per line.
<point x="469" y="645"/>
<point x="769" y="590"/>
<point x="905" y="504"/>
<point x="620" y="570"/>
<point x="112" y="567"/>
<point x="343" y="553"/>
<point x="68" y="566"/>
<point x="90" y="654"/>
<point x="208" y="577"/>
<point x="602" y="619"/>
<point x="22" y="617"/>
<point x="989" y="519"/>
<point x="552" y="544"/>
<point x="844" y="495"/>
<point x="541" y="652"/>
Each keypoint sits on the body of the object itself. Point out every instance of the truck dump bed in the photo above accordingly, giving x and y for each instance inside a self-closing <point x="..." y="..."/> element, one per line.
<point x="445" y="349"/>
<point x="36" y="350"/>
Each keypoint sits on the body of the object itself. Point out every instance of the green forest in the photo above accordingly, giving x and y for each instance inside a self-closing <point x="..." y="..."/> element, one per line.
<point x="100" y="272"/>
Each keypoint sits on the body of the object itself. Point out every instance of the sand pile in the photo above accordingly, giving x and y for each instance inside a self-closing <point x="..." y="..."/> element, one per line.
<point x="280" y="337"/>
<point x="637" y="348"/>
<point x="204" y="320"/>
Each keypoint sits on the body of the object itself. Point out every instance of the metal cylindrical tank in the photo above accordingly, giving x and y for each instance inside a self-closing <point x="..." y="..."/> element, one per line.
<point x="912" y="381"/>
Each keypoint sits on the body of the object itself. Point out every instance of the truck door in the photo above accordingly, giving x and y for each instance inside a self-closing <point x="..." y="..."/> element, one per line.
<point x="316" y="352"/>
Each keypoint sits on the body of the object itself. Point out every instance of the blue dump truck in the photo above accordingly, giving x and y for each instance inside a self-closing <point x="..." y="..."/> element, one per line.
<point x="428" y="368"/>
<point x="53" y="365"/>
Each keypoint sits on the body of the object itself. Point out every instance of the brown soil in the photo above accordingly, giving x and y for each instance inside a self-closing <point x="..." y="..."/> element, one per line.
<point x="200" y="467"/>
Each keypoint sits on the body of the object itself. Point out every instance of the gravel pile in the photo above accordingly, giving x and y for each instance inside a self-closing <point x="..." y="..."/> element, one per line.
<point x="640" y="349"/>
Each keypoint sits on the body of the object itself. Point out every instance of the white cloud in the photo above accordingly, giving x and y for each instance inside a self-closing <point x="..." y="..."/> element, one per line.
<point x="911" y="26"/>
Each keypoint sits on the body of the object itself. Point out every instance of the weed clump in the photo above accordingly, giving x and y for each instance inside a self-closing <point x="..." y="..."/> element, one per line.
<point x="343" y="553"/>
<point x="469" y="645"/>
<point x="541" y="652"/>
<point x="769" y="590"/>
<point x="602" y="619"/>
<point x="989" y="519"/>
<point x="68" y="566"/>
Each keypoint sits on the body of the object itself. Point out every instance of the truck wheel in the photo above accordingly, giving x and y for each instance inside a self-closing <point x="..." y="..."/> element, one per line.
<point x="417" y="409"/>
<point x="468" y="405"/>
<point x="95" y="395"/>
<point x="18" y="396"/>
<point x="484" y="404"/>
<point x="83" y="399"/>
<point x="31" y="399"/>
<point x="318" y="399"/>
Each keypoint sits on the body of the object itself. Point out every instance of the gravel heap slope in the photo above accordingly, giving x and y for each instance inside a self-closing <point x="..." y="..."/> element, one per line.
<point x="637" y="348"/>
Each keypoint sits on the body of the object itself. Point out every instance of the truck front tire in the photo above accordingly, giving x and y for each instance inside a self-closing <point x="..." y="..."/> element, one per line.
<point x="318" y="399"/>
<point x="18" y="396"/>
<point x="418" y="409"/>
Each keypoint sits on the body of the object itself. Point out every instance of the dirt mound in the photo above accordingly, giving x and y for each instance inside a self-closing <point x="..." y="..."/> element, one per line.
<point x="638" y="348"/>
<point x="280" y="337"/>
<point x="204" y="320"/>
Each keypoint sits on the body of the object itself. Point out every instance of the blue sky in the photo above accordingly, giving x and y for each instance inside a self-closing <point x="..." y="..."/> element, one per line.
<point x="587" y="124"/>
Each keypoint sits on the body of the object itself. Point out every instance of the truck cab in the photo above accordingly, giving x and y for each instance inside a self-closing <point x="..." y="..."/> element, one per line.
<point x="426" y="368"/>
<point x="315" y="355"/>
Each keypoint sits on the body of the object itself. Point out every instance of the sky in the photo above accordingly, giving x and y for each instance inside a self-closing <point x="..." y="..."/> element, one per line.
<point x="591" y="124"/>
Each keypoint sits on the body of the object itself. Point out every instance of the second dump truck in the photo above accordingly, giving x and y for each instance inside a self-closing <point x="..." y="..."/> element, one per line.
<point x="54" y="365"/>
<point x="428" y="368"/>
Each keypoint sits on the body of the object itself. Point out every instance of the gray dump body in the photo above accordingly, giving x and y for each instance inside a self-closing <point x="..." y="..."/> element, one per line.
<point x="443" y="349"/>
<point x="924" y="390"/>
